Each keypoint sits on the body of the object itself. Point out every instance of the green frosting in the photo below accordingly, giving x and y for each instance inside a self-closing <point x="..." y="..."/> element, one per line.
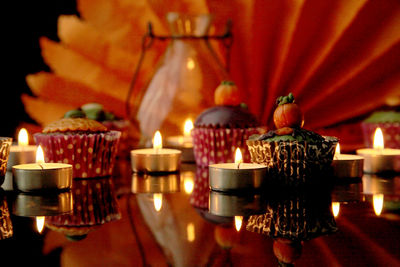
<point x="76" y="113"/>
<point x="383" y="116"/>
<point x="298" y="134"/>
<point x="93" y="111"/>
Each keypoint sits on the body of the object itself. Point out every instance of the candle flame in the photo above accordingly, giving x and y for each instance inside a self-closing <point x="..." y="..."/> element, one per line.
<point x="377" y="200"/>
<point x="335" y="208"/>
<point x="157" y="140"/>
<point x="378" y="139"/>
<point x="39" y="155"/>
<point x="23" y="139"/>
<point x="157" y="199"/>
<point x="187" y="128"/>
<point x="238" y="157"/>
<point x="191" y="236"/>
<point x="337" y="150"/>
<point x="40" y="223"/>
<point x="238" y="222"/>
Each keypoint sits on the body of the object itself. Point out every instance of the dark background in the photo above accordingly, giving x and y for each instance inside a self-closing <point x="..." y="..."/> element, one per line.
<point x="23" y="22"/>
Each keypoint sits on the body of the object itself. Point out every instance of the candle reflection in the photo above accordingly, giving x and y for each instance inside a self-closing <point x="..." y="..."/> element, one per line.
<point x="188" y="182"/>
<point x="238" y="222"/>
<point x="378" y="203"/>
<point x="335" y="208"/>
<point x="157" y="198"/>
<point x="191" y="236"/>
<point x="40" y="223"/>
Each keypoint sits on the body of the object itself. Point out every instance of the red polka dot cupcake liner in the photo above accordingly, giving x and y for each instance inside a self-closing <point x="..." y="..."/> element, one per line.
<point x="94" y="204"/>
<point x="201" y="190"/>
<point x="391" y="133"/>
<point x="91" y="155"/>
<point x="218" y="145"/>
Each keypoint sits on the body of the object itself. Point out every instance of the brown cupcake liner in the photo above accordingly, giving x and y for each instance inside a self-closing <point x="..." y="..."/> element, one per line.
<point x="94" y="204"/>
<point x="218" y="145"/>
<point x="91" y="155"/>
<point x="292" y="162"/>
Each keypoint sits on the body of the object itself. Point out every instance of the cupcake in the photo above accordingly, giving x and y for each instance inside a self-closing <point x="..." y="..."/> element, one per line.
<point x="84" y="143"/>
<point x="94" y="204"/>
<point x="389" y="122"/>
<point x="96" y="111"/>
<point x="219" y="130"/>
<point x="292" y="154"/>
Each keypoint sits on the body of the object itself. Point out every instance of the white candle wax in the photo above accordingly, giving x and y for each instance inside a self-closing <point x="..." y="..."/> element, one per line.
<point x="347" y="166"/>
<point x="155" y="160"/>
<point x="20" y="154"/>
<point x="180" y="141"/>
<point x="42" y="176"/>
<point x="378" y="160"/>
<point x="234" y="176"/>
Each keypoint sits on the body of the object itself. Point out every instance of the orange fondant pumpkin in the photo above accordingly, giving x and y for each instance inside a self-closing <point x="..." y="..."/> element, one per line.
<point x="227" y="93"/>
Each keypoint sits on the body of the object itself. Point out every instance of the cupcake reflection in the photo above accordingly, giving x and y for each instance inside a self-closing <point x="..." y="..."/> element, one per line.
<point x="94" y="205"/>
<point x="6" y="228"/>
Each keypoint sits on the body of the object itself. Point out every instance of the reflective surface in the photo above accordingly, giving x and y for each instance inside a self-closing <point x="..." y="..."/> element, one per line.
<point x="174" y="220"/>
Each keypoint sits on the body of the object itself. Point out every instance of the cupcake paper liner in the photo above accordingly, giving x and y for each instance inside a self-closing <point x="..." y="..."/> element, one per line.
<point x="291" y="162"/>
<point x="201" y="190"/>
<point x="94" y="204"/>
<point x="391" y="133"/>
<point x="91" y="155"/>
<point x="218" y="145"/>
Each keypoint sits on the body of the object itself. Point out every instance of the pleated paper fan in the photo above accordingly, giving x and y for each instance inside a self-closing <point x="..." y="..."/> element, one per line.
<point x="340" y="58"/>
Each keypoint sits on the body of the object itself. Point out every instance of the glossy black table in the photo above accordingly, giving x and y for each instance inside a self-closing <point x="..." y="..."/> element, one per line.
<point x="174" y="220"/>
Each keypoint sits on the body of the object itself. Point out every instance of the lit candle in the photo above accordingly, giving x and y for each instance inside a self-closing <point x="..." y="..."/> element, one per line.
<point x="42" y="176"/>
<point x="237" y="175"/>
<point x="23" y="152"/>
<point x="156" y="159"/>
<point x="347" y="165"/>
<point x="183" y="142"/>
<point x="20" y="153"/>
<point x="380" y="159"/>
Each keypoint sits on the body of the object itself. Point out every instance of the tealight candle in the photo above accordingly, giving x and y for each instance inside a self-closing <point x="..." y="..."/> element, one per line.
<point x="183" y="142"/>
<point x="23" y="152"/>
<point x="156" y="159"/>
<point x="380" y="159"/>
<point x="238" y="175"/>
<point x="20" y="153"/>
<point x="42" y="176"/>
<point x="347" y="165"/>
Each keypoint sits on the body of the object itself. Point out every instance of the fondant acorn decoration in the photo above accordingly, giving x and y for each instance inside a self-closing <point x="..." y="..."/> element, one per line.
<point x="287" y="114"/>
<point x="227" y="94"/>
